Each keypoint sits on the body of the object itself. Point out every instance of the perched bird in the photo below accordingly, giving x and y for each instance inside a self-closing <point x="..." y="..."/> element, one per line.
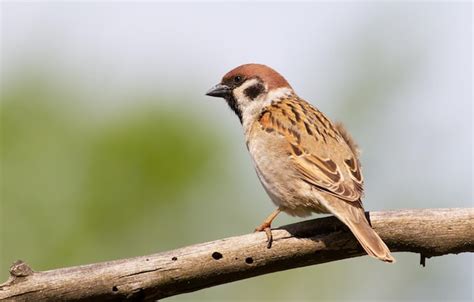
<point x="306" y="163"/>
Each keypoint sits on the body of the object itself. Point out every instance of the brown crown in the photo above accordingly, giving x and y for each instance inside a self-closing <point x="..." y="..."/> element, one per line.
<point x="269" y="76"/>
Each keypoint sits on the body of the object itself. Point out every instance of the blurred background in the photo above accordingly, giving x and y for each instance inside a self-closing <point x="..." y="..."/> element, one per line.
<point x="110" y="149"/>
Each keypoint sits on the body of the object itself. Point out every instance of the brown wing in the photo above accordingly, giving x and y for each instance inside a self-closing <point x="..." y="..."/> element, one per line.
<point x="324" y="156"/>
<point x="352" y="162"/>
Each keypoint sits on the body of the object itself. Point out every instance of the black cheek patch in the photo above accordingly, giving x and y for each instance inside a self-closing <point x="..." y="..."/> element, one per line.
<point x="254" y="91"/>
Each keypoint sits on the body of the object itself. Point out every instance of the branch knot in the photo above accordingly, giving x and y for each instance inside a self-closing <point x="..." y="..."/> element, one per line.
<point x="20" y="269"/>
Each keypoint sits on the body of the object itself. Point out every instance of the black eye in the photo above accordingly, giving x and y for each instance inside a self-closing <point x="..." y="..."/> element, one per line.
<point x="237" y="79"/>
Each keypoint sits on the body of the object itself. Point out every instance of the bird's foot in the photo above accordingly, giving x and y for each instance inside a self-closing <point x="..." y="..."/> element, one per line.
<point x="266" y="227"/>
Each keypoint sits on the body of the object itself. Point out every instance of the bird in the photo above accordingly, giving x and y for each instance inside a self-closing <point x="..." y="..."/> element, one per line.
<point x="306" y="163"/>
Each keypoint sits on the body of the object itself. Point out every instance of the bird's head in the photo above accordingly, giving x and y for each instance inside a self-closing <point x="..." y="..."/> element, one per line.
<point x="250" y="87"/>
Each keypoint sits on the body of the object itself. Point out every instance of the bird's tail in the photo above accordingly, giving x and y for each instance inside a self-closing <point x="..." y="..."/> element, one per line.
<point x="352" y="215"/>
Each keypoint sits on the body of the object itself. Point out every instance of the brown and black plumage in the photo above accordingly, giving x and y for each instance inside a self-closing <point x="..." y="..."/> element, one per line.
<point x="306" y="163"/>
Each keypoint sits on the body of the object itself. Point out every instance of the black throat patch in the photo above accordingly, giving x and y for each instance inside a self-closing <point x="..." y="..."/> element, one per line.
<point x="234" y="106"/>
<point x="254" y="91"/>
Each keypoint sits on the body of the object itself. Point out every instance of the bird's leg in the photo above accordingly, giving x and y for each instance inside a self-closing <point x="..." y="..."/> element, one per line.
<point x="266" y="226"/>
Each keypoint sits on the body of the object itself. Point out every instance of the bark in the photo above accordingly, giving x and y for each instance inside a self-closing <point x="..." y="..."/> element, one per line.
<point x="429" y="232"/>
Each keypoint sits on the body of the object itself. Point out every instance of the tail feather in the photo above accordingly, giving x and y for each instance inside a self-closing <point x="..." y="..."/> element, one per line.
<point x="353" y="216"/>
<point x="370" y="240"/>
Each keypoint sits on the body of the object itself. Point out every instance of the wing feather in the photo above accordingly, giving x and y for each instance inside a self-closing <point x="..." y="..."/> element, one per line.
<point x="324" y="155"/>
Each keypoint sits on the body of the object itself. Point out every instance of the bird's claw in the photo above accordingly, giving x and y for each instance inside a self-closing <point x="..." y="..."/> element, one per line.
<point x="268" y="231"/>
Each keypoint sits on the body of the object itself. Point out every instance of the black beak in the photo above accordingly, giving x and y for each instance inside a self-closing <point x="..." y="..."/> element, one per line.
<point x="219" y="91"/>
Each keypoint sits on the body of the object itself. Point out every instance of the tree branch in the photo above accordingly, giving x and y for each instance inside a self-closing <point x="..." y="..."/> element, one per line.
<point x="430" y="232"/>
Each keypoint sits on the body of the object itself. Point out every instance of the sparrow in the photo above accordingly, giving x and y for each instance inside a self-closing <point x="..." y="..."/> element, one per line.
<point x="306" y="163"/>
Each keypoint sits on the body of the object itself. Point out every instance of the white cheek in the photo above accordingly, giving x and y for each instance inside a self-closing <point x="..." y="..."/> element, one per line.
<point x="240" y="96"/>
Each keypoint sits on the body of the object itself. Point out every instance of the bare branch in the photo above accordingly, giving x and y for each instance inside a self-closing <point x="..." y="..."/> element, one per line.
<point x="430" y="232"/>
